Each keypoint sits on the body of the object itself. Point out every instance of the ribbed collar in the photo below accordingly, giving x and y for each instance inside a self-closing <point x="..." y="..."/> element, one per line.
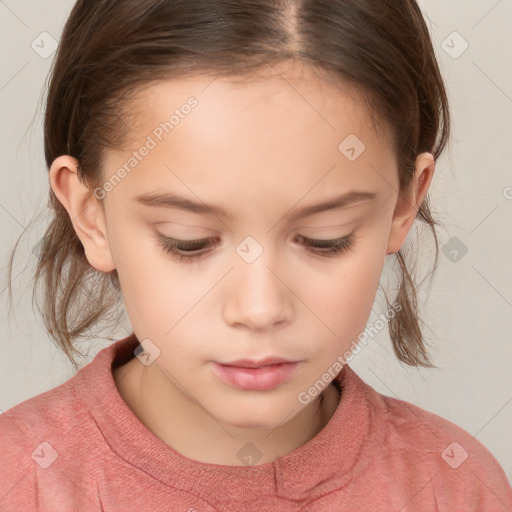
<point x="328" y="461"/>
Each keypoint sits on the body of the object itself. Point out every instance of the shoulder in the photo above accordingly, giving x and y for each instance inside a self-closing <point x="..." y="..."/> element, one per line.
<point x="55" y="412"/>
<point x="32" y="435"/>
<point x="44" y="414"/>
<point x="463" y="470"/>
<point x="17" y="473"/>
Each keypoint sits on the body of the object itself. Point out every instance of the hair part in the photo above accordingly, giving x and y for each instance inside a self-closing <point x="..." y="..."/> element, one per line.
<point x="111" y="49"/>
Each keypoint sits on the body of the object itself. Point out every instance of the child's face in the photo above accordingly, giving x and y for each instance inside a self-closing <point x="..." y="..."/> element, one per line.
<point x="262" y="151"/>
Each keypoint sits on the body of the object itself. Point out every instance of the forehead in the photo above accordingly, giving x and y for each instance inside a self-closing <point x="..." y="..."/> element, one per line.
<point x="277" y="131"/>
<point x="272" y="92"/>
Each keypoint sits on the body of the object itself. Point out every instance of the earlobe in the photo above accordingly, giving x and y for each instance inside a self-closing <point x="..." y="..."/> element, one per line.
<point x="85" y="211"/>
<point x="409" y="203"/>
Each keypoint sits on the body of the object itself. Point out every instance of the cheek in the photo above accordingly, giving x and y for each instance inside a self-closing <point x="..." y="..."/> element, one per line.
<point x="156" y="292"/>
<point x="162" y="302"/>
<point x="345" y="299"/>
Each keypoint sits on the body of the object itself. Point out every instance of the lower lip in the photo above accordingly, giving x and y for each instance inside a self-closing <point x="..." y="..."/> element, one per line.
<point x="256" y="379"/>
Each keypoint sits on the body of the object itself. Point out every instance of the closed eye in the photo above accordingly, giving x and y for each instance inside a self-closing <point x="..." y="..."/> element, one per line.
<point x="191" y="250"/>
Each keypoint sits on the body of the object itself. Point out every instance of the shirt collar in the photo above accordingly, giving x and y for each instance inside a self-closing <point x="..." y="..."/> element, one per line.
<point x="326" y="462"/>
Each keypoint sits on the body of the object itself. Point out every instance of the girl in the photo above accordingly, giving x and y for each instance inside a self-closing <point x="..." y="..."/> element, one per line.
<point x="237" y="173"/>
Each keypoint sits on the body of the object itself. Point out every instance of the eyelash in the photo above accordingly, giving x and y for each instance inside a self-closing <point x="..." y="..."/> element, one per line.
<point x="334" y="248"/>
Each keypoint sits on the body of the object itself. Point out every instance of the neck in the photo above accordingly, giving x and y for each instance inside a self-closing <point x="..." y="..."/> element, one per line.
<point x="188" y="428"/>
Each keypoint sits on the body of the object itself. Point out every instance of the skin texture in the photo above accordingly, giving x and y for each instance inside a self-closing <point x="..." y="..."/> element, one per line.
<point x="260" y="149"/>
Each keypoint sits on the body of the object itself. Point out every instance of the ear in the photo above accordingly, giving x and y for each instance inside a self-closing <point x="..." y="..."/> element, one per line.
<point x="86" y="212"/>
<point x="409" y="203"/>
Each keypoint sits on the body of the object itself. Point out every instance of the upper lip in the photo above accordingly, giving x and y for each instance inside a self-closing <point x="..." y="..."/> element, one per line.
<point x="250" y="363"/>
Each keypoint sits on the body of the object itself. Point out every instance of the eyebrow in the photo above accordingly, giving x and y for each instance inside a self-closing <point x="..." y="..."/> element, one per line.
<point x="175" y="201"/>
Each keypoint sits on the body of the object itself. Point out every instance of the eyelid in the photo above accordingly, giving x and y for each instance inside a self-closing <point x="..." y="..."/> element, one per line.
<point x="342" y="225"/>
<point x="323" y="240"/>
<point x="179" y="241"/>
<point x="205" y="241"/>
<point x="325" y="249"/>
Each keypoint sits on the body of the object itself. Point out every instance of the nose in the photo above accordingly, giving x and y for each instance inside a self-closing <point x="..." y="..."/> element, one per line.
<point x="258" y="296"/>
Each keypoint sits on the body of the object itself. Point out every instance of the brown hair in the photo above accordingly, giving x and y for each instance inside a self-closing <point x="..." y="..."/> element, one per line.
<point x="111" y="48"/>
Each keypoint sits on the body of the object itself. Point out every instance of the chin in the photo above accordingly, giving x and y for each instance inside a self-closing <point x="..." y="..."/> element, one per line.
<point x="254" y="424"/>
<point x="257" y="418"/>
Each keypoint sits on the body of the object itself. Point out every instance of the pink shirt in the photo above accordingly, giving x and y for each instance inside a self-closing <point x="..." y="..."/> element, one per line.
<point x="78" y="447"/>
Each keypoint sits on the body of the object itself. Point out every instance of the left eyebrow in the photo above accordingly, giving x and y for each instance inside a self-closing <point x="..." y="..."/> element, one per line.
<point x="165" y="200"/>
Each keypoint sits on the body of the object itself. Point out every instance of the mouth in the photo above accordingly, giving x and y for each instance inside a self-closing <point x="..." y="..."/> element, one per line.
<point x="250" y="363"/>
<point x="258" y="376"/>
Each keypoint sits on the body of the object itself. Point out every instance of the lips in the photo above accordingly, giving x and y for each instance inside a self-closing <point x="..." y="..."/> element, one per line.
<point x="249" y="363"/>
<point x="260" y="376"/>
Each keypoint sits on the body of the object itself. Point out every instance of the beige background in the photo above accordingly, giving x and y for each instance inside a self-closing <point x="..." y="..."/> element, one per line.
<point x="469" y="307"/>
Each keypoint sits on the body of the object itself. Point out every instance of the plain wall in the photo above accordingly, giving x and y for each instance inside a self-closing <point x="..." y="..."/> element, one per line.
<point x="469" y="305"/>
